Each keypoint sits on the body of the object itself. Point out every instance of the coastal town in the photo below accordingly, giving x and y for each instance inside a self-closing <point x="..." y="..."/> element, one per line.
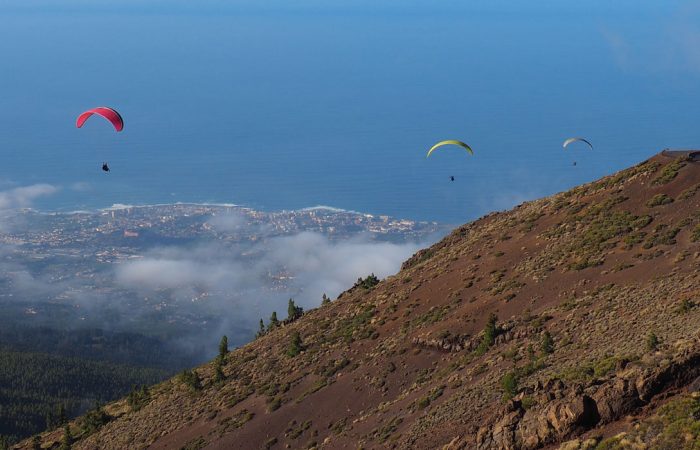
<point x="67" y="266"/>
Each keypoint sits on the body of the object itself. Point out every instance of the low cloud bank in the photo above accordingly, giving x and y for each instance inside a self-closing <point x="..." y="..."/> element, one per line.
<point x="261" y="276"/>
<point x="235" y="286"/>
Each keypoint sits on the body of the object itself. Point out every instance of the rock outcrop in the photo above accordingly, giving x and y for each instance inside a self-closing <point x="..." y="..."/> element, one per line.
<point x="556" y="410"/>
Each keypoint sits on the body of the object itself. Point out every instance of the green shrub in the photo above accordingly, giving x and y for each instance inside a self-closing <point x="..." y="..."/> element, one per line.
<point x="509" y="383"/>
<point x="95" y="419"/>
<point x="367" y="283"/>
<point x="686" y="305"/>
<point x="191" y="379"/>
<point x="652" y="341"/>
<point x="658" y="200"/>
<point x="274" y="404"/>
<point x="489" y="337"/>
<point x="138" y="398"/>
<point x="688" y="193"/>
<point x="695" y="236"/>
<point x="527" y="402"/>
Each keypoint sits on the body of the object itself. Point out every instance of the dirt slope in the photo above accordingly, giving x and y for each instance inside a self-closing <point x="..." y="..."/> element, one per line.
<point x="595" y="294"/>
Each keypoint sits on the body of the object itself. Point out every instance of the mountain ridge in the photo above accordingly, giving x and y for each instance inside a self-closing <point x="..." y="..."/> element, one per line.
<point x="558" y="323"/>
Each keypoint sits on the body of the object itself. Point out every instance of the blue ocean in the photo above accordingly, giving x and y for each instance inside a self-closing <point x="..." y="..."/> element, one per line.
<point x="285" y="105"/>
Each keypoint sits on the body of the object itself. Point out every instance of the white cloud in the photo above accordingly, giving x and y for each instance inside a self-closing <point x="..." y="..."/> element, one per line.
<point x="310" y="263"/>
<point x="228" y="222"/>
<point x="23" y="197"/>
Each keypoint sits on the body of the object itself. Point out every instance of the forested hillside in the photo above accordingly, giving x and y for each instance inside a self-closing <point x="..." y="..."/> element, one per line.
<point x="38" y="390"/>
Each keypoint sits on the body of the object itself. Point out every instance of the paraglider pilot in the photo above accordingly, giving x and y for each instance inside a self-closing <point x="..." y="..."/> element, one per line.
<point x="105" y="167"/>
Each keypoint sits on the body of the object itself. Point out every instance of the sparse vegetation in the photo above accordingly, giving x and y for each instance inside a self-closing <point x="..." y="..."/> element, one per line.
<point x="383" y="433"/>
<point x="670" y="171"/>
<point x="695" y="236"/>
<point x="690" y="192"/>
<point x="355" y="327"/>
<point x="589" y="370"/>
<point x="228" y="424"/>
<point x="663" y="235"/>
<point x="602" y="224"/>
<point x="433" y="362"/>
<point x="675" y="425"/>
<point x="294" y="431"/>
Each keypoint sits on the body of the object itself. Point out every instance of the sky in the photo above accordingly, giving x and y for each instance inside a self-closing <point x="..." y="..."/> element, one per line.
<point x="285" y="105"/>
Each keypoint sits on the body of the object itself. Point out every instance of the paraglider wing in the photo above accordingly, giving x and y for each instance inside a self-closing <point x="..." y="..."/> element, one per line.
<point x="450" y="142"/>
<point x="108" y="113"/>
<point x="575" y="139"/>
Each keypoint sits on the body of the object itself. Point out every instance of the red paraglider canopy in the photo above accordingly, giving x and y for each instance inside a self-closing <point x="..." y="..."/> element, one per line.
<point x="108" y="113"/>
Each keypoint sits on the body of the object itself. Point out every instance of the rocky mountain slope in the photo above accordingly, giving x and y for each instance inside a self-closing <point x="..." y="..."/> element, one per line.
<point x="570" y="322"/>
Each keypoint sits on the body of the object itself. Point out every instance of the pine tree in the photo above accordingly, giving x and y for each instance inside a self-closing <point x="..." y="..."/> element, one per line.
<point x="67" y="441"/>
<point x="547" y="344"/>
<point x="295" y="346"/>
<point x="218" y="372"/>
<point x="490" y="332"/>
<point x="325" y="300"/>
<point x="273" y="321"/>
<point x="293" y="311"/>
<point x="261" y="330"/>
<point x="4" y="443"/>
<point x="60" y="415"/>
<point x="36" y="442"/>
<point x="223" y="347"/>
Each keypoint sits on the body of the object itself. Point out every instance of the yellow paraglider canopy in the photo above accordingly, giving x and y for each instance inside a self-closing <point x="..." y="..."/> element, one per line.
<point x="450" y="142"/>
